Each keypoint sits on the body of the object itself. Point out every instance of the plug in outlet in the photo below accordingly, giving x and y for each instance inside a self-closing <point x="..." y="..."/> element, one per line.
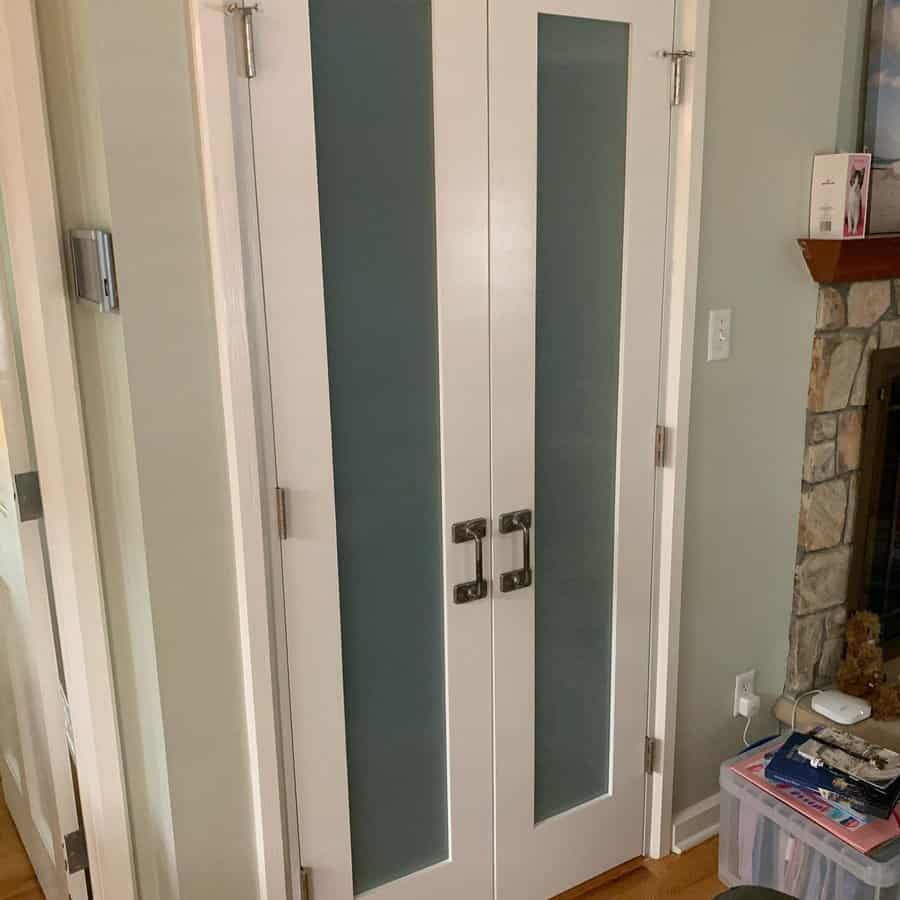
<point x="746" y="701"/>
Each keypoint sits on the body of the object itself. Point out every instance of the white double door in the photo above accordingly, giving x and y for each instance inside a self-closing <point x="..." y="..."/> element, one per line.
<point x="462" y="213"/>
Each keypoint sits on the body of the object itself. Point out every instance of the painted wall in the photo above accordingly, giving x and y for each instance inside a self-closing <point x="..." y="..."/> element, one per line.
<point x="119" y="89"/>
<point x="783" y="85"/>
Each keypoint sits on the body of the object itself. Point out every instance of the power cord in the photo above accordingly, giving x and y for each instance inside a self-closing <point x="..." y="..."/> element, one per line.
<point x="746" y="729"/>
<point x="796" y="702"/>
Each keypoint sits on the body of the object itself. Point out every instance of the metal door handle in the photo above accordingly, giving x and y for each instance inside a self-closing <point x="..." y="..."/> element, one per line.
<point x="518" y="578"/>
<point x="463" y="532"/>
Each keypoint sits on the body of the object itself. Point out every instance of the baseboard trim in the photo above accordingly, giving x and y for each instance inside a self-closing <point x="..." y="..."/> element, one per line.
<point x="696" y="824"/>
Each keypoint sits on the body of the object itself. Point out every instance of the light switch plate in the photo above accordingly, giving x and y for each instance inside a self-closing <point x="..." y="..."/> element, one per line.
<point x="719" y="338"/>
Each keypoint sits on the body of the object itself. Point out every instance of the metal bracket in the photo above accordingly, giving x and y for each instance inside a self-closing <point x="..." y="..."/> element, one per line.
<point x="677" y="57"/>
<point x="246" y="12"/>
<point x="76" y="854"/>
<point x="659" y="446"/>
<point x="28" y="496"/>
<point x="281" y="512"/>
<point x="649" y="755"/>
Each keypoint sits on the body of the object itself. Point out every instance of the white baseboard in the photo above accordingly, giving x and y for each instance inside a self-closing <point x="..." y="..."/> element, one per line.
<point x="696" y="824"/>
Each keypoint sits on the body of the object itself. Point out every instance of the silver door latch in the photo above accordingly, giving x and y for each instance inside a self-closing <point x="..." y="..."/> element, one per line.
<point x="677" y="57"/>
<point x="246" y="13"/>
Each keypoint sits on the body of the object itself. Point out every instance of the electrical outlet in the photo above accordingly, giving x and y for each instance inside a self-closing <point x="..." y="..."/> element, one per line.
<point x="744" y="686"/>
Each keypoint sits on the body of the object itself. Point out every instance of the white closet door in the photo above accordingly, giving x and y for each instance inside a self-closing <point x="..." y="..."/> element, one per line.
<point x="579" y="133"/>
<point x="370" y="138"/>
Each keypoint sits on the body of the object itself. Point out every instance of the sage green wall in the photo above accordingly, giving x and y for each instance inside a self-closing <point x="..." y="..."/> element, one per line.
<point x="120" y="103"/>
<point x="783" y="84"/>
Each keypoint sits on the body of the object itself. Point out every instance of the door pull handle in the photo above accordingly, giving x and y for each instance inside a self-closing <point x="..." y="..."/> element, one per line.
<point x="518" y="578"/>
<point x="463" y="532"/>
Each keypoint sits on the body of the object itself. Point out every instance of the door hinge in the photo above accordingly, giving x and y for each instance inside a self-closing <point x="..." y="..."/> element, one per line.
<point x="75" y="851"/>
<point x="882" y="393"/>
<point x="678" y="57"/>
<point x="246" y="13"/>
<point x="28" y="496"/>
<point x="660" y="442"/>
<point x="649" y="755"/>
<point x="281" y="512"/>
<point x="305" y="883"/>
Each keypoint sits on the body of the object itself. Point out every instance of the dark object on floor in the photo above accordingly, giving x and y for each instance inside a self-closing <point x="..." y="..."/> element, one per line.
<point x="753" y="893"/>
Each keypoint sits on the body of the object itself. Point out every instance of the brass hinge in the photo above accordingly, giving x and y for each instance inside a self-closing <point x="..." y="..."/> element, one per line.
<point x="649" y="755"/>
<point x="660" y="441"/>
<point x="678" y="57"/>
<point x="76" y="854"/>
<point x="281" y="512"/>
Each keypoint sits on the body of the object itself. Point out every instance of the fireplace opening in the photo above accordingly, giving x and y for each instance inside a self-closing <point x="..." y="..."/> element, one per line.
<point x="875" y="561"/>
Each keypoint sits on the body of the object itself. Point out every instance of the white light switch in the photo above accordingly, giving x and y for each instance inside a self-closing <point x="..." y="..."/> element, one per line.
<point x="719" y="341"/>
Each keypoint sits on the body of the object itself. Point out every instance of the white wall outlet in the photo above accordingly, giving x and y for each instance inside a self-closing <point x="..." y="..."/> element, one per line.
<point x="744" y="689"/>
<point x="719" y="338"/>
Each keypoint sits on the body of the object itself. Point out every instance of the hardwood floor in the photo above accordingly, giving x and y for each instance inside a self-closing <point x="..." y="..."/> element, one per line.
<point x="691" y="876"/>
<point x="17" y="881"/>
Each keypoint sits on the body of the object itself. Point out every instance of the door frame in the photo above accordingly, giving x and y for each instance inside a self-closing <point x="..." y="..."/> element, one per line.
<point x="42" y="303"/>
<point x="222" y="102"/>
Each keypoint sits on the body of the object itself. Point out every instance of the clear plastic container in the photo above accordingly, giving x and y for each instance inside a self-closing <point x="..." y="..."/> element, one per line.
<point x="764" y="842"/>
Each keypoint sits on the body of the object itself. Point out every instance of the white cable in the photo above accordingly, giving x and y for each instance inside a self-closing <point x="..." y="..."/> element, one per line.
<point x="746" y="729"/>
<point x="794" y="712"/>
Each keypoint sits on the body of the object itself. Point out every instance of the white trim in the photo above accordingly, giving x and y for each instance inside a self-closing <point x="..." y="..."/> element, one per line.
<point x="688" y="121"/>
<point x="214" y="77"/>
<point x="211" y="73"/>
<point x="696" y="824"/>
<point x="26" y="177"/>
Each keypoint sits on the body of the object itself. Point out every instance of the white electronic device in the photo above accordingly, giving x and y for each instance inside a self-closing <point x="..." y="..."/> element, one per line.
<point x="841" y="707"/>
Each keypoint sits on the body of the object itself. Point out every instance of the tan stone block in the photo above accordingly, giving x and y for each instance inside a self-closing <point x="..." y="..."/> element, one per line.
<point x="849" y="439"/>
<point x="822" y="511"/>
<point x="835" y="622"/>
<point x="890" y="334"/>
<point x="829" y="661"/>
<point x="819" y="462"/>
<point x="831" y="312"/>
<point x="861" y="382"/>
<point x="852" y="494"/>
<point x="806" y="637"/>
<point x="835" y="360"/>
<point x="821" y="428"/>
<point x="867" y="302"/>
<point x="820" y="580"/>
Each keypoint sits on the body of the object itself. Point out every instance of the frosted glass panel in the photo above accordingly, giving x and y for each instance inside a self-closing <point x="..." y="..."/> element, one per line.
<point x="582" y="92"/>
<point x="372" y="84"/>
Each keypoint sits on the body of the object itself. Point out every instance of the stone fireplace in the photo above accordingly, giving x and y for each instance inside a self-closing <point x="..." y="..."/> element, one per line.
<point x="852" y="321"/>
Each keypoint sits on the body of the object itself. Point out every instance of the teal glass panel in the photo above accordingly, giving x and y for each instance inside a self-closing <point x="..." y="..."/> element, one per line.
<point x="582" y="94"/>
<point x="372" y="76"/>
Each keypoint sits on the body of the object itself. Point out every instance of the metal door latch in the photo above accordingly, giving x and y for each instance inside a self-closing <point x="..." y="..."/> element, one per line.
<point x="246" y="13"/>
<point x="678" y="57"/>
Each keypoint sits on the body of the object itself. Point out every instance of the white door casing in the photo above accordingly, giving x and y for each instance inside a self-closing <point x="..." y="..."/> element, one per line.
<point x="37" y="776"/>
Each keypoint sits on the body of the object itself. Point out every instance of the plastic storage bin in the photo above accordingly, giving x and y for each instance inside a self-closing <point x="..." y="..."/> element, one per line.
<point x="764" y="842"/>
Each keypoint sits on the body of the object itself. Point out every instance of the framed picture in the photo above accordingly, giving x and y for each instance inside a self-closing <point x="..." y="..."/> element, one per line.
<point x="881" y="130"/>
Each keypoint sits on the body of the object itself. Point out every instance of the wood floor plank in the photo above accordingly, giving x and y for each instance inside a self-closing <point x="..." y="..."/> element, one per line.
<point x="17" y="880"/>
<point x="690" y="876"/>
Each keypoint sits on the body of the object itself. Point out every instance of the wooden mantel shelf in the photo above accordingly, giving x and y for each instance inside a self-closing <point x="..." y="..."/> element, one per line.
<point x="866" y="259"/>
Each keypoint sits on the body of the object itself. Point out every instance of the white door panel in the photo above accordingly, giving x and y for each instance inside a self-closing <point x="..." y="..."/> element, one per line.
<point x="296" y="301"/>
<point x="589" y="835"/>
